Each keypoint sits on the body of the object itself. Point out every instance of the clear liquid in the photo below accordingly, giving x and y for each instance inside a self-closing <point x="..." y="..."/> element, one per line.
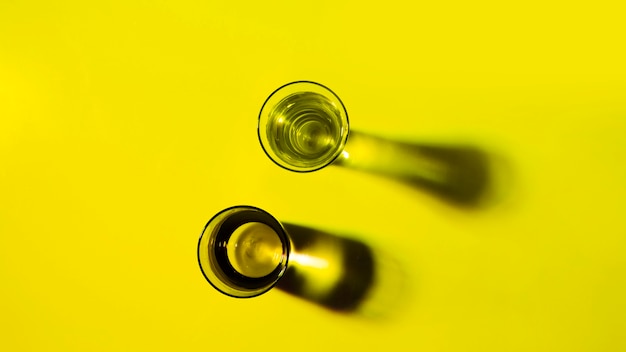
<point x="254" y="250"/>
<point x="306" y="130"/>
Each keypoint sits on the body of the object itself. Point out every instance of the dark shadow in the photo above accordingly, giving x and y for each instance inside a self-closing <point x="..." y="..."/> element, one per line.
<point x="337" y="273"/>
<point x="464" y="178"/>
<point x="458" y="174"/>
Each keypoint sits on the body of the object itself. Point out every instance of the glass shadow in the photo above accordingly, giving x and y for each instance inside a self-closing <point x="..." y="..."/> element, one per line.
<point x="458" y="174"/>
<point x="342" y="274"/>
<point x="303" y="126"/>
<point x="334" y="272"/>
<point x="244" y="252"/>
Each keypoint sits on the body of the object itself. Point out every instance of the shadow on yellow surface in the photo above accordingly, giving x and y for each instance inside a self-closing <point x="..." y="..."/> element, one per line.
<point x="342" y="274"/>
<point x="460" y="175"/>
<point x="124" y="125"/>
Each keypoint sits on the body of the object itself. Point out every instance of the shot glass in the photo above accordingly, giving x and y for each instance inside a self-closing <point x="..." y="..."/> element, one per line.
<point x="244" y="252"/>
<point x="303" y="126"/>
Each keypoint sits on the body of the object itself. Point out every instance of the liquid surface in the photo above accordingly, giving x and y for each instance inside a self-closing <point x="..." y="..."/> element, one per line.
<point x="306" y="130"/>
<point x="254" y="250"/>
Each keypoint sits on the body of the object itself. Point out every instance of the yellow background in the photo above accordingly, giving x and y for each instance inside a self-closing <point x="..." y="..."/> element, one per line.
<point x="126" y="125"/>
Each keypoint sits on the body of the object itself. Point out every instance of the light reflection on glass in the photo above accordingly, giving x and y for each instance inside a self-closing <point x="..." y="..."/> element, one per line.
<point x="303" y="126"/>
<point x="244" y="252"/>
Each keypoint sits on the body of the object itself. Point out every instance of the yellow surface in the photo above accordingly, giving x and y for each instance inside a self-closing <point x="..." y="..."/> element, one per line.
<point x="126" y="125"/>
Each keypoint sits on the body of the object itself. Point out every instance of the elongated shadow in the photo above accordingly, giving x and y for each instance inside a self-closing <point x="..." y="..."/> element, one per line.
<point x="303" y="127"/>
<point x="337" y="273"/>
<point x="458" y="174"/>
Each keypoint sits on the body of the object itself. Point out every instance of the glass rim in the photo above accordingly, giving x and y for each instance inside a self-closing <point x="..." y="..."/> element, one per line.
<point x="275" y="95"/>
<point x="216" y="270"/>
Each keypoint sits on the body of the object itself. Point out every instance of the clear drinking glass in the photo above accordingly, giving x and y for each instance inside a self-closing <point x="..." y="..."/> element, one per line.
<point x="303" y="126"/>
<point x="244" y="252"/>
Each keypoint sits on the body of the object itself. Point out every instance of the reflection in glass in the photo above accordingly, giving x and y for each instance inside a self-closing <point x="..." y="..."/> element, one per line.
<point x="329" y="270"/>
<point x="244" y="251"/>
<point x="303" y="126"/>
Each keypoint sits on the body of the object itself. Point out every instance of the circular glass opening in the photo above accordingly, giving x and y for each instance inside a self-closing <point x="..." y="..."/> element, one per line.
<point x="303" y="126"/>
<point x="254" y="250"/>
<point x="243" y="251"/>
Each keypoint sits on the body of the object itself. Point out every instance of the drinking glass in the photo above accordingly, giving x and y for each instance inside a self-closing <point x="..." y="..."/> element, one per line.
<point x="244" y="252"/>
<point x="303" y="126"/>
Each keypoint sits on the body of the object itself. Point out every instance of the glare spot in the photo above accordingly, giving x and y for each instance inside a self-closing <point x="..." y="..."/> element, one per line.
<point x="306" y="260"/>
